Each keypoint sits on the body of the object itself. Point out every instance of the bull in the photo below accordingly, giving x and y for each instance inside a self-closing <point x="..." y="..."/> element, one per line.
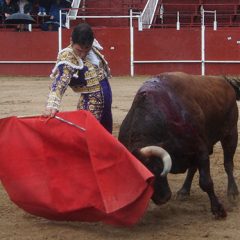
<point x="173" y="124"/>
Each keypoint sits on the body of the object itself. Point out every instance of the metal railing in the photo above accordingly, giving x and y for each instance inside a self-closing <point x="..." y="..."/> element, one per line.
<point x="134" y="61"/>
<point x="131" y="16"/>
<point x="148" y="13"/>
<point x="72" y="13"/>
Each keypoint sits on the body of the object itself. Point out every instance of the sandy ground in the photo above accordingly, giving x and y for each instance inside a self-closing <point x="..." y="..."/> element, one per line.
<point x="180" y="220"/>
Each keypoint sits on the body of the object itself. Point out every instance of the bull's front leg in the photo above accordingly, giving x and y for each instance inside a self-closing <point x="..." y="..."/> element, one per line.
<point x="184" y="192"/>
<point x="206" y="184"/>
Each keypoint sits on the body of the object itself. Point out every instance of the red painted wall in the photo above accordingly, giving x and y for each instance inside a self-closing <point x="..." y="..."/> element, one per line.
<point x="155" y="44"/>
<point x="26" y="46"/>
<point x="167" y="44"/>
<point x="116" y="47"/>
<point x="223" y="45"/>
<point x="170" y="44"/>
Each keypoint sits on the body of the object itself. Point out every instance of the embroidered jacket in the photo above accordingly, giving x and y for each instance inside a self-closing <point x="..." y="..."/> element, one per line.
<point x="82" y="76"/>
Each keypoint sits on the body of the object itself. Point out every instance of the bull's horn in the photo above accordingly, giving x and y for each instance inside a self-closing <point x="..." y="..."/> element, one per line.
<point x="159" y="152"/>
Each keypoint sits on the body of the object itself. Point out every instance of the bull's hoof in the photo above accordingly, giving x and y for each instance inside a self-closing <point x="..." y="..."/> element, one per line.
<point x="219" y="212"/>
<point x="233" y="194"/>
<point x="182" y="195"/>
<point x="233" y="198"/>
<point x="159" y="200"/>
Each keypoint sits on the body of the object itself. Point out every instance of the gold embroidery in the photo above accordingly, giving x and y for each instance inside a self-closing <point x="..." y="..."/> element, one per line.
<point x="86" y="89"/>
<point x="91" y="98"/>
<point x="68" y="56"/>
<point x="94" y="103"/>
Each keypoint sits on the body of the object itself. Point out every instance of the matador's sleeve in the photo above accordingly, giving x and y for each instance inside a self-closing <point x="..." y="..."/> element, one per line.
<point x="59" y="86"/>
<point x="63" y="72"/>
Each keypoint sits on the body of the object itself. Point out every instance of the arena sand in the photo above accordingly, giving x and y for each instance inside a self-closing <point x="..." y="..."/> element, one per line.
<point x="176" y="220"/>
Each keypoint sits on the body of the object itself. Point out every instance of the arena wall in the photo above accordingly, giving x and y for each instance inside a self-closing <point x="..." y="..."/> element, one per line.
<point x="154" y="44"/>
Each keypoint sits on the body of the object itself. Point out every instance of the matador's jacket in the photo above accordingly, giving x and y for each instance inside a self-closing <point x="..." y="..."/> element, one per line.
<point x="89" y="77"/>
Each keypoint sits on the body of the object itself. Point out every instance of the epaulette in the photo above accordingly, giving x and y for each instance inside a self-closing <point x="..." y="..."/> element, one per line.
<point x="67" y="57"/>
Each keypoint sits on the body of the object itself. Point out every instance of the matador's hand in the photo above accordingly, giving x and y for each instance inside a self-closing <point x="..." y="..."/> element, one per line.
<point x="50" y="112"/>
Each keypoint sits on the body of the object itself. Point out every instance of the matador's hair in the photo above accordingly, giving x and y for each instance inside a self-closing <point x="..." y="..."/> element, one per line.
<point x="83" y="35"/>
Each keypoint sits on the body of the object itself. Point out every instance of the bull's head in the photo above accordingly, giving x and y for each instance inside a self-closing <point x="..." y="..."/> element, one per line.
<point x="159" y="162"/>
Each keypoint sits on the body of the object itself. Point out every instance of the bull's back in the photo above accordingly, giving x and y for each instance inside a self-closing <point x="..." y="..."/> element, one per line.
<point x="213" y="90"/>
<point x="183" y="106"/>
<point x="208" y="96"/>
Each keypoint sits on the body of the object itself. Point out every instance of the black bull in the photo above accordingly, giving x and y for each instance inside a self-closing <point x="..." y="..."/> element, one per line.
<point x="184" y="115"/>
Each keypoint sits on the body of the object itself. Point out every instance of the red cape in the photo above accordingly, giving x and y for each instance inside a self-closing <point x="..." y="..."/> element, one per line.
<point x="55" y="170"/>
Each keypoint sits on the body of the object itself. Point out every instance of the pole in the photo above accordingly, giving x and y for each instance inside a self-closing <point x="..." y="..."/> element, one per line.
<point x="140" y="24"/>
<point x="60" y="32"/>
<point x="178" y="22"/>
<point x="203" y="43"/>
<point x="215" y="21"/>
<point x="131" y="45"/>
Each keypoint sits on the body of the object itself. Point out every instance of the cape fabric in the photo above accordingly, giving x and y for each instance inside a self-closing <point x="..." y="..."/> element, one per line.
<point x="55" y="170"/>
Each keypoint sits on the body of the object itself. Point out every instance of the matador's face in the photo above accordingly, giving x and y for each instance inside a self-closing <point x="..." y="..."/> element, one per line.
<point x="81" y="51"/>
